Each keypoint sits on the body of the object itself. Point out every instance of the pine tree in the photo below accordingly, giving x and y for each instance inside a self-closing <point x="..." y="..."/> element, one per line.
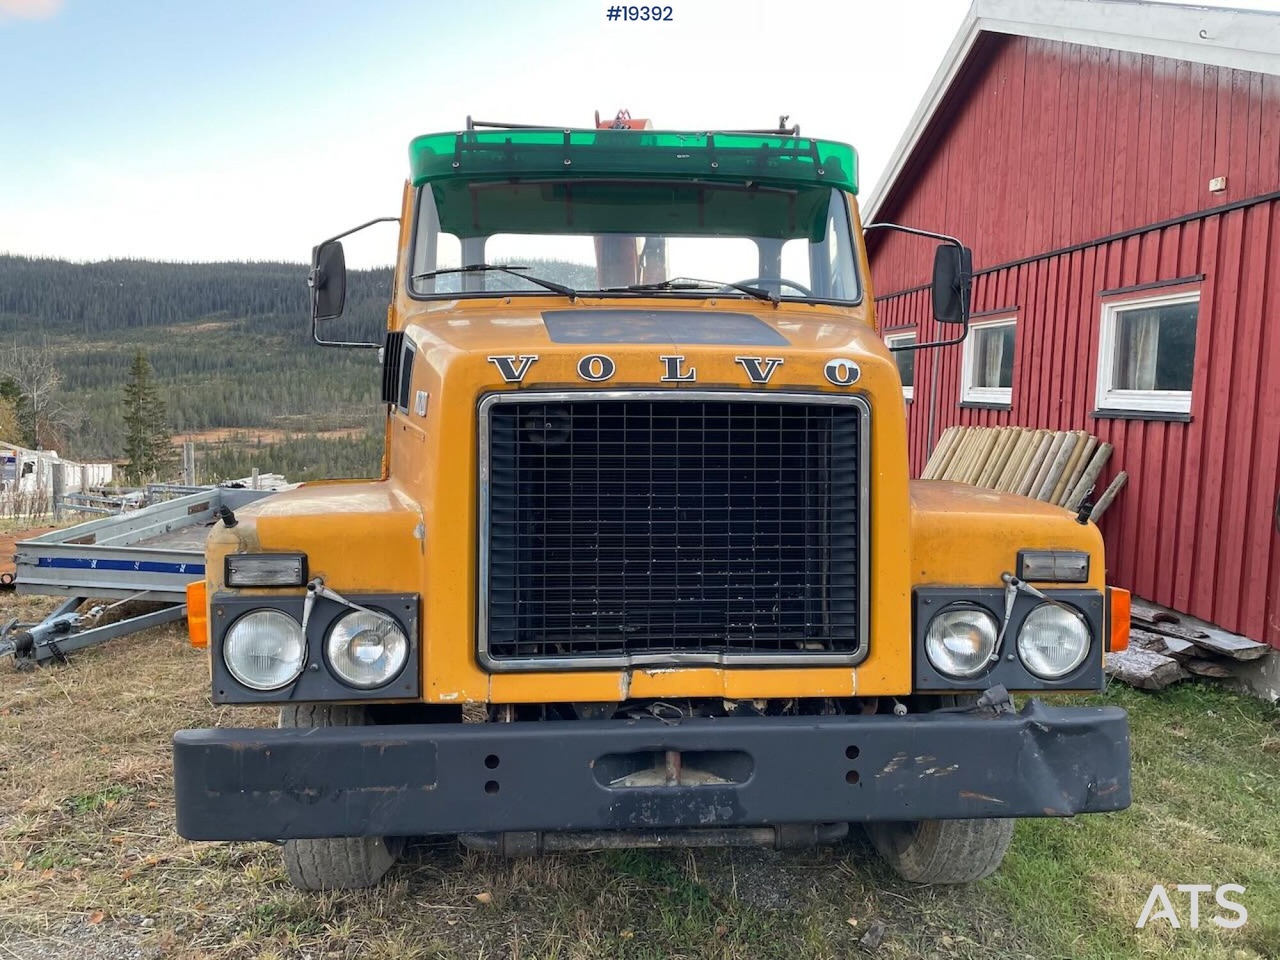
<point x="10" y="426"/>
<point x="148" y="445"/>
<point x="11" y="430"/>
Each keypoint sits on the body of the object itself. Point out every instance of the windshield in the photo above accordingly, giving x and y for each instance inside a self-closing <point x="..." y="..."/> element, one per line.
<point x="602" y="237"/>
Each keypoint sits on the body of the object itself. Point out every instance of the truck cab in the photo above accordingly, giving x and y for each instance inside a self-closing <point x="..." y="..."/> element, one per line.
<point x="645" y="564"/>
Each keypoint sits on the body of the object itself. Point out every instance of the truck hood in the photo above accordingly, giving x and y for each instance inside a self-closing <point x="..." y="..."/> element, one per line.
<point x="553" y="324"/>
<point x="477" y="346"/>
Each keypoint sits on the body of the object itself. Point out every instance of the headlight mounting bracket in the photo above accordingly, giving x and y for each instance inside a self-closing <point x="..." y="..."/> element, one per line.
<point x="1008" y="669"/>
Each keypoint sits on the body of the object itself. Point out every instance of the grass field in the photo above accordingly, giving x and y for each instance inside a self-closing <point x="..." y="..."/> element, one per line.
<point x="90" y="866"/>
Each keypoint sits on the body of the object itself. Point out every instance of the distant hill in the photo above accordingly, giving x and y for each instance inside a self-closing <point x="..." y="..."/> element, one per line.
<point x="231" y="347"/>
<point x="110" y="295"/>
<point x="230" y="344"/>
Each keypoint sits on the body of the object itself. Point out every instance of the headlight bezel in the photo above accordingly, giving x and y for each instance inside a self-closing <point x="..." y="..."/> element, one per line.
<point x="317" y="682"/>
<point x="1009" y="669"/>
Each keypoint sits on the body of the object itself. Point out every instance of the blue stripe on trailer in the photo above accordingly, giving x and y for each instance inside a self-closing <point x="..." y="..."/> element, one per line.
<point x="139" y="566"/>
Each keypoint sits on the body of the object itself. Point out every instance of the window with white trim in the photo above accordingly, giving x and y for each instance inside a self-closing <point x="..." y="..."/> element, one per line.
<point x="906" y="361"/>
<point x="1146" y="353"/>
<point x="987" y="372"/>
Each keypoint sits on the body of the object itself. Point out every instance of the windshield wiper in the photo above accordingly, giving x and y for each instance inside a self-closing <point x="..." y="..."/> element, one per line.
<point x="690" y="283"/>
<point x="512" y="269"/>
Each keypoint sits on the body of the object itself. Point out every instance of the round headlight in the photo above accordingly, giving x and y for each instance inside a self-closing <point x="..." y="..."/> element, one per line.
<point x="265" y="650"/>
<point x="367" y="649"/>
<point x="1053" y="641"/>
<point x="960" y="640"/>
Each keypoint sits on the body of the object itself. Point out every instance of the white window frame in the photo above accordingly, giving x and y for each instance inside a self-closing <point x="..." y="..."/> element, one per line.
<point x="908" y="392"/>
<point x="995" y="395"/>
<point x="1147" y="401"/>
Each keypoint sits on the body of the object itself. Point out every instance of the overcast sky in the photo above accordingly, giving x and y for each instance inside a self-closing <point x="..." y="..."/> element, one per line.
<point x="249" y="129"/>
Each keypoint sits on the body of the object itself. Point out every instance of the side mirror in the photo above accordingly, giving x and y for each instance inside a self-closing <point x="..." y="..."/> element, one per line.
<point x="952" y="274"/>
<point x="328" y="280"/>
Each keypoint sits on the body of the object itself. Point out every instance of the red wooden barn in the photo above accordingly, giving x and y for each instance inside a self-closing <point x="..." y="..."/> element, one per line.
<point x="1116" y="168"/>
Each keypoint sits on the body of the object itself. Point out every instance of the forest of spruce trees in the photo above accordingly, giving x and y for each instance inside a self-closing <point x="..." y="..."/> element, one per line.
<point x="230" y="347"/>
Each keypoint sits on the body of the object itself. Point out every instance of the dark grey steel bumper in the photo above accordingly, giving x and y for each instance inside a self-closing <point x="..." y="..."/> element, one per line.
<point x="251" y="784"/>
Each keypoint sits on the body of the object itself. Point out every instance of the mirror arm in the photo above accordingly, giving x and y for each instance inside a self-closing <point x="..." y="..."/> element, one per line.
<point x="313" y="277"/>
<point x="369" y="223"/>
<point x="315" y="335"/>
<point x="966" y="279"/>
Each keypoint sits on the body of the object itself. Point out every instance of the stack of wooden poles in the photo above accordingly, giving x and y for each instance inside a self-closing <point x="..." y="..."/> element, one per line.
<point x="1056" y="466"/>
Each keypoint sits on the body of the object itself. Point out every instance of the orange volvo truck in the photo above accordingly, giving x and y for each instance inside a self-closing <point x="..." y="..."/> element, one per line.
<point x="645" y="565"/>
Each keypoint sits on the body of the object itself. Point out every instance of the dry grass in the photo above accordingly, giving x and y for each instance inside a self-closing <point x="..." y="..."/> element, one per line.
<point x="89" y="863"/>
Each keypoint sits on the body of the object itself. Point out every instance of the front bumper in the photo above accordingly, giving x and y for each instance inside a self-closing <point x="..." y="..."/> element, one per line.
<point x="408" y="780"/>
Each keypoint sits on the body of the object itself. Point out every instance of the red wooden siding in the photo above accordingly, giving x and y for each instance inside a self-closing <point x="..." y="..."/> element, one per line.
<point x="1195" y="528"/>
<point x="1052" y="146"/>
<point x="1045" y="145"/>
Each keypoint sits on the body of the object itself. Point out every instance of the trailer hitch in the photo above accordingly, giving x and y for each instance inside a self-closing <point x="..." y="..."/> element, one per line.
<point x="66" y="630"/>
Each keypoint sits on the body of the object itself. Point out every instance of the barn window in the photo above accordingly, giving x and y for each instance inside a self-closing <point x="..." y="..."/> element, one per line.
<point x="906" y="360"/>
<point x="987" y="376"/>
<point x="1147" y="352"/>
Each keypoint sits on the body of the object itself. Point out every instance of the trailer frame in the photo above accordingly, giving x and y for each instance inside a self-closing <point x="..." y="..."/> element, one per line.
<point x="148" y="554"/>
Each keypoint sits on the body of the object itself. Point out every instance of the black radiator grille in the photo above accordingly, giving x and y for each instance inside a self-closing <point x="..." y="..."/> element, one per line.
<point x="628" y="527"/>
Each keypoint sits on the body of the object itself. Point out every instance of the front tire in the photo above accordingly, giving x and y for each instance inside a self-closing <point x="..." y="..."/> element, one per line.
<point x="335" y="863"/>
<point x="943" y="851"/>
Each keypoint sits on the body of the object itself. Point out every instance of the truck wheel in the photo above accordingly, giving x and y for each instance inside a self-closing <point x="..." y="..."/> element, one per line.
<point x="943" y="851"/>
<point x="335" y="863"/>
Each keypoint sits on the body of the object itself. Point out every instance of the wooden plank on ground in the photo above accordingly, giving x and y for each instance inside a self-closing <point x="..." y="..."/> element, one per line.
<point x="1146" y="640"/>
<point x="1230" y="645"/>
<point x="1208" y="668"/>
<point x="1150" y="613"/>
<point x="1143" y="669"/>
<point x="1178" y="648"/>
<point x="1152" y="619"/>
<point x="1167" y="629"/>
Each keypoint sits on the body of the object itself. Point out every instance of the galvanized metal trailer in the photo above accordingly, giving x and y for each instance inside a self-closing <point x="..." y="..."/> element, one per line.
<point x="149" y="554"/>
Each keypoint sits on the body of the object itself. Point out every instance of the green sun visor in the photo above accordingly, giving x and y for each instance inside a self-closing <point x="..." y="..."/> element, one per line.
<point x="633" y="154"/>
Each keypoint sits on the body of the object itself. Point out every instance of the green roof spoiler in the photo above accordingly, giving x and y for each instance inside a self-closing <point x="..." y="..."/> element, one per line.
<point x="536" y="153"/>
